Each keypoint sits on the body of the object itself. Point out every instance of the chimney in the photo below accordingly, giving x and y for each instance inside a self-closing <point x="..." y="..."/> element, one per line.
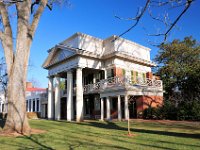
<point x="29" y="85"/>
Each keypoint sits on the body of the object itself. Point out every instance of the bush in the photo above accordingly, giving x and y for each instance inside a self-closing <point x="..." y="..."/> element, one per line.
<point x="189" y="110"/>
<point x="152" y="113"/>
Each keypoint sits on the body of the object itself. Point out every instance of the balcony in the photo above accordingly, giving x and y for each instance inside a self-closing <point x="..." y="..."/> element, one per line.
<point x="116" y="82"/>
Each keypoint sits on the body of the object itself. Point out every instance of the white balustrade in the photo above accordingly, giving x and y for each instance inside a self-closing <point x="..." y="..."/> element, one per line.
<point x="120" y="81"/>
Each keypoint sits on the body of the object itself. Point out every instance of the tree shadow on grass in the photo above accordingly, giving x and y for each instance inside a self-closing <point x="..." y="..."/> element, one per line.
<point x="43" y="146"/>
<point x="114" y="126"/>
<point x="25" y="146"/>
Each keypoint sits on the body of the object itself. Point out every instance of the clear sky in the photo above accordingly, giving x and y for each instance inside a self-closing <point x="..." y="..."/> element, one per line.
<point x="96" y="18"/>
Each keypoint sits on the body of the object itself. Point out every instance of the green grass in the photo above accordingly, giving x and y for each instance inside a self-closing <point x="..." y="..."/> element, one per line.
<point x="107" y="135"/>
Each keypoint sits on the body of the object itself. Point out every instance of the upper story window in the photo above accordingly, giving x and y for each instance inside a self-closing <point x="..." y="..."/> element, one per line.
<point x="137" y="76"/>
<point x="110" y="73"/>
<point x="99" y="76"/>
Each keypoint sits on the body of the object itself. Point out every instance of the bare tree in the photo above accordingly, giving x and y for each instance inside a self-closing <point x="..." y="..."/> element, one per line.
<point x="17" y="55"/>
<point x="152" y="5"/>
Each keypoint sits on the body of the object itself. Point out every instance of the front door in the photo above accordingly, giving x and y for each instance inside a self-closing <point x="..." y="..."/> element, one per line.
<point x="63" y="108"/>
<point x="89" y="107"/>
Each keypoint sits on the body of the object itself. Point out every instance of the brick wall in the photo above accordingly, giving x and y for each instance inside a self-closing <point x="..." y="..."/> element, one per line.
<point x="144" y="102"/>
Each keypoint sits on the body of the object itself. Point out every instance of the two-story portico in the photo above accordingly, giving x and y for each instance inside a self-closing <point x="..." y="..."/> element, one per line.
<point x="108" y="78"/>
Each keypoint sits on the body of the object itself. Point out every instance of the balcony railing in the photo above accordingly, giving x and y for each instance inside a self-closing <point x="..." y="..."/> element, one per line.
<point x="121" y="81"/>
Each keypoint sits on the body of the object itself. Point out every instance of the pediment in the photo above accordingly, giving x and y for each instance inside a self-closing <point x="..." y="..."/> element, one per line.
<point x="56" y="55"/>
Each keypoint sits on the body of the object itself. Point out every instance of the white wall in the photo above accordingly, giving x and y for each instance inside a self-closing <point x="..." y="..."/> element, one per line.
<point x="129" y="66"/>
<point x="132" y="49"/>
<point x="90" y="44"/>
<point x="89" y="63"/>
<point x="108" y="46"/>
<point x="127" y="47"/>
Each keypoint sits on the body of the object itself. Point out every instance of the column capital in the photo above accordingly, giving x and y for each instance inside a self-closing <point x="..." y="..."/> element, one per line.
<point x="80" y="68"/>
<point x="50" y="77"/>
<point x="57" y="76"/>
<point x="69" y="71"/>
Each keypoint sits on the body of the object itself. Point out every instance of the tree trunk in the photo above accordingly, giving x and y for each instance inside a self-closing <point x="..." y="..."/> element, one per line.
<point x="17" y="61"/>
<point x="17" y="119"/>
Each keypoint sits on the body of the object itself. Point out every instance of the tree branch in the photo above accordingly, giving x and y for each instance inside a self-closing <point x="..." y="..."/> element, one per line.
<point x="169" y="25"/>
<point x="189" y="2"/>
<point x="6" y="37"/>
<point x="178" y="18"/>
<point x="1" y="35"/>
<point x="36" y="18"/>
<point x="137" y="18"/>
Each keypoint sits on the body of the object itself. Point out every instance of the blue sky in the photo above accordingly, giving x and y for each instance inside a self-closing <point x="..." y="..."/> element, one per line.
<point x="96" y="18"/>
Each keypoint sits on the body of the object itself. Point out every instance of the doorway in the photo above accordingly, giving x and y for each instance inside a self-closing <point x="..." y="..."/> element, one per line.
<point x="63" y="106"/>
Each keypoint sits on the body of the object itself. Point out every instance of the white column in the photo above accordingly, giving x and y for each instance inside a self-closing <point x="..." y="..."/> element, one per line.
<point x="79" y="95"/>
<point x="28" y="105"/>
<point x="39" y="100"/>
<point x="102" y="109"/>
<point x="57" y="98"/>
<point x="105" y="74"/>
<point x="94" y="78"/>
<point x="50" y="99"/>
<point x="70" y="96"/>
<point x="119" y="108"/>
<point x="31" y="105"/>
<point x="108" y="107"/>
<point x="126" y="107"/>
<point x="35" y="105"/>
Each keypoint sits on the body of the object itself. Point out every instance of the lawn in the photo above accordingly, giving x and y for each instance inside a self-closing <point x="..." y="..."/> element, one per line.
<point x="107" y="135"/>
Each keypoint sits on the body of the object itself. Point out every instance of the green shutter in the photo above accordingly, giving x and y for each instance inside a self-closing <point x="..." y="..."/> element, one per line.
<point x="124" y="72"/>
<point x="144" y="76"/>
<point x="132" y="76"/>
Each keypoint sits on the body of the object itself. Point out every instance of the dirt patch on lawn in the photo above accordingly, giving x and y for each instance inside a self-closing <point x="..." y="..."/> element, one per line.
<point x="16" y="134"/>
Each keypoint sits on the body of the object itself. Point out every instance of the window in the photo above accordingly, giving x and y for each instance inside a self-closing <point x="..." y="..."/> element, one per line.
<point x="110" y="73"/>
<point x="141" y="77"/>
<point x="102" y="75"/>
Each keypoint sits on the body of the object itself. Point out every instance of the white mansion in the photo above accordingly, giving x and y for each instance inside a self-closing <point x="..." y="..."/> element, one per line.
<point x="108" y="78"/>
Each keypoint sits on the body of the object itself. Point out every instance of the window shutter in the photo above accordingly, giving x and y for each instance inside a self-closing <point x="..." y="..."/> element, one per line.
<point x="144" y="76"/>
<point x="124" y="72"/>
